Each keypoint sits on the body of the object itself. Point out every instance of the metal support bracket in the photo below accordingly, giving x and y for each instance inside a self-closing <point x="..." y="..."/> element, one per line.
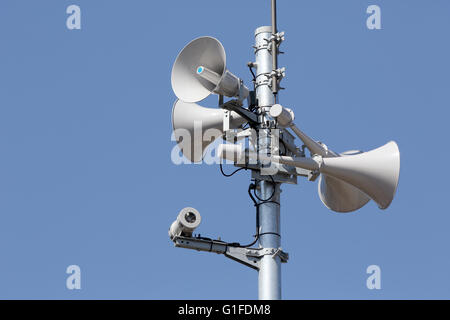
<point x="313" y="175"/>
<point x="234" y="136"/>
<point x="236" y="106"/>
<point x="242" y="96"/>
<point x="226" y="120"/>
<point x="241" y="255"/>
<point x="274" y="252"/>
<point x="278" y="38"/>
<point x="279" y="74"/>
<point x="284" y="175"/>
<point x="249" y="257"/>
<point x="287" y="140"/>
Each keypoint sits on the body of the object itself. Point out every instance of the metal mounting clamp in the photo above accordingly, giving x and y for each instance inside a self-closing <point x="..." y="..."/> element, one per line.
<point x="279" y="74"/>
<point x="247" y="256"/>
<point x="278" y="38"/>
<point x="236" y="106"/>
<point x="274" y="252"/>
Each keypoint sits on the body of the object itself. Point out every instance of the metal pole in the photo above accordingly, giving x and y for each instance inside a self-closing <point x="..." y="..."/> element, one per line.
<point x="269" y="278"/>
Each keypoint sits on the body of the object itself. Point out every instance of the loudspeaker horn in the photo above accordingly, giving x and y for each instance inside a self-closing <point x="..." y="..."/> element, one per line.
<point x="338" y="195"/>
<point x="375" y="173"/>
<point x="200" y="70"/>
<point x="196" y="127"/>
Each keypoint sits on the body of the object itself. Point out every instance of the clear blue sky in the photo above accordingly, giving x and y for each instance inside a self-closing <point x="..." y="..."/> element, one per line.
<point x="86" y="176"/>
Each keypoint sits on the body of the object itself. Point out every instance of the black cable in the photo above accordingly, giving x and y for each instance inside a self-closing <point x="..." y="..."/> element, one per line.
<point x="253" y="74"/>
<point x="237" y="244"/>
<point x="274" y="202"/>
<point x="231" y="174"/>
<point x="268" y="199"/>
<point x="257" y="205"/>
<point x="232" y="244"/>
<point x="252" y="107"/>
<point x="250" y="187"/>
<point x="272" y="233"/>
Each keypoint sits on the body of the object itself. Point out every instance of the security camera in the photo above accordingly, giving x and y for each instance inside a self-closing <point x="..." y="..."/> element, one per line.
<point x="187" y="221"/>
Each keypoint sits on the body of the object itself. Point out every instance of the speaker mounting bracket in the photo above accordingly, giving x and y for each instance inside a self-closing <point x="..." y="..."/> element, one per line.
<point x="278" y="38"/>
<point x="284" y="175"/>
<point x="226" y="120"/>
<point x="234" y="136"/>
<point x="236" y="106"/>
<point x="313" y="175"/>
<point x="279" y="74"/>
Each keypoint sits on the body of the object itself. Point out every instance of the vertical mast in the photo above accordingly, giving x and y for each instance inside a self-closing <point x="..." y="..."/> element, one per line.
<point x="269" y="278"/>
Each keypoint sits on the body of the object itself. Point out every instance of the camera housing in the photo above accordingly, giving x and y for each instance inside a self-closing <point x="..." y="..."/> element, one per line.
<point x="187" y="221"/>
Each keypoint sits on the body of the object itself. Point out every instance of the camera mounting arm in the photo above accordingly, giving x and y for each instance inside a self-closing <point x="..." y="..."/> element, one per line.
<point x="249" y="257"/>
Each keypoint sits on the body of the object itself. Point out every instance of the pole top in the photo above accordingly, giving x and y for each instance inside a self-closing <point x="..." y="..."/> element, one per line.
<point x="263" y="29"/>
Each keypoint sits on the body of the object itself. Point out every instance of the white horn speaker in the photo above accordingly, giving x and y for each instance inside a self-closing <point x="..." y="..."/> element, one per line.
<point x="200" y="69"/>
<point x="196" y="127"/>
<point x="340" y="196"/>
<point x="347" y="182"/>
<point x="375" y="173"/>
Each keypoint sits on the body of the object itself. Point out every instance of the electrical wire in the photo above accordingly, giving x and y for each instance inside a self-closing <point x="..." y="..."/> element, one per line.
<point x="231" y="174"/>
<point x="253" y="74"/>
<point x="271" y="196"/>
<point x="250" y="187"/>
<point x="257" y="205"/>
<point x="237" y="244"/>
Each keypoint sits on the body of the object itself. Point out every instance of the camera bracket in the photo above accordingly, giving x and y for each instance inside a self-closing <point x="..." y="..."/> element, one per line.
<point x="249" y="257"/>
